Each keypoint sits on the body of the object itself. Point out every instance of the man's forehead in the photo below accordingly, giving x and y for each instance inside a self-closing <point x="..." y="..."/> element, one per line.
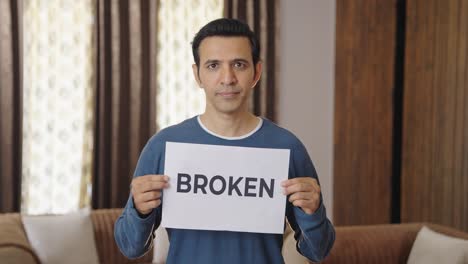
<point x="237" y="47"/>
<point x="224" y="38"/>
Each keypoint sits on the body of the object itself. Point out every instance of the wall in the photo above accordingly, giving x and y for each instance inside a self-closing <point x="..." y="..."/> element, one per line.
<point x="306" y="78"/>
<point x="401" y="121"/>
<point x="434" y="173"/>
<point x="364" y="111"/>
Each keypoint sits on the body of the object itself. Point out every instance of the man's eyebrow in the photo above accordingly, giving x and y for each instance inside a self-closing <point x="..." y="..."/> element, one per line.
<point x="241" y="60"/>
<point x="211" y="62"/>
<point x="218" y="61"/>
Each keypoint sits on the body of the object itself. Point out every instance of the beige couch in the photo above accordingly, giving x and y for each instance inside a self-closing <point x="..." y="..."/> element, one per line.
<point x="383" y="244"/>
<point x="15" y="247"/>
<point x="356" y="244"/>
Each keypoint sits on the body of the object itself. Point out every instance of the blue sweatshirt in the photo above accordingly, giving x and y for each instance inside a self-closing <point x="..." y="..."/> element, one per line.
<point x="314" y="233"/>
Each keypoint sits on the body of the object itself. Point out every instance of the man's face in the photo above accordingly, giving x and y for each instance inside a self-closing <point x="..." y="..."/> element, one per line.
<point x="226" y="73"/>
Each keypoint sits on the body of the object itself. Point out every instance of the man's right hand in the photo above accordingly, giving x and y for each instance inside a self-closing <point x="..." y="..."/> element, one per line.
<point x="146" y="191"/>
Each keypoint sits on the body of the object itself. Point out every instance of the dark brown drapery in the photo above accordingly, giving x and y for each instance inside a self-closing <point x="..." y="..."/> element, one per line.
<point x="262" y="17"/>
<point x="125" y="112"/>
<point x="10" y="105"/>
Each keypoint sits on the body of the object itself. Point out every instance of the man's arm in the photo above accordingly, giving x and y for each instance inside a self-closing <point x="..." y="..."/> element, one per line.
<point x="305" y="211"/>
<point x="314" y="233"/>
<point x="142" y="214"/>
<point x="133" y="230"/>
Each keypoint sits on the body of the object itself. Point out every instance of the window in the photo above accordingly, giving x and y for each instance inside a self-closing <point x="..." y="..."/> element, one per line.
<point x="58" y="84"/>
<point x="179" y="96"/>
<point x="59" y="81"/>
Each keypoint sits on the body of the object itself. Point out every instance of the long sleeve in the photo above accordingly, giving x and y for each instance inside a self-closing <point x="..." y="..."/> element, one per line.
<point x="133" y="233"/>
<point x="314" y="233"/>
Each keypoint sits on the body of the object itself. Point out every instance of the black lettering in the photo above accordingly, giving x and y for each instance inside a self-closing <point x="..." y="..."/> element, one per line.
<point x="248" y="187"/>
<point x="263" y="185"/>
<point x="181" y="182"/>
<point x="223" y="185"/>
<point x="197" y="185"/>
<point x="200" y="182"/>
<point x="233" y="186"/>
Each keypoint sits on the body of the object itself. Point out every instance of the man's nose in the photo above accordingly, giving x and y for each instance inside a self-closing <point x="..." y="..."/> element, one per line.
<point x="228" y="76"/>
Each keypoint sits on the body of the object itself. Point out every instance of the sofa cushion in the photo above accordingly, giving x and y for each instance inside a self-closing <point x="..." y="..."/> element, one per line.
<point x="160" y="245"/>
<point x="108" y="251"/>
<point x="62" y="238"/>
<point x="15" y="254"/>
<point x="289" y="251"/>
<point x="14" y="245"/>
<point x="432" y="247"/>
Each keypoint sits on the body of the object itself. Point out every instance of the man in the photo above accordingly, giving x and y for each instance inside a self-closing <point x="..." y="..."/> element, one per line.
<point x="227" y="67"/>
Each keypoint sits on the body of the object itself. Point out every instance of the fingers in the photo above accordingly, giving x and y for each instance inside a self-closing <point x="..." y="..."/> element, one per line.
<point x="147" y="201"/>
<point x="147" y="196"/>
<point x="300" y="184"/>
<point x="150" y="178"/>
<point x="304" y="196"/>
<point x="304" y="192"/>
<point x="308" y="206"/>
<point x="149" y="186"/>
<point x="146" y="191"/>
<point x="147" y="207"/>
<point x="150" y="182"/>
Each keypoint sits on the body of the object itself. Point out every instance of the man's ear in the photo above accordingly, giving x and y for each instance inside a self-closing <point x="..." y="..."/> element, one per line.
<point x="196" y="75"/>
<point x="258" y="73"/>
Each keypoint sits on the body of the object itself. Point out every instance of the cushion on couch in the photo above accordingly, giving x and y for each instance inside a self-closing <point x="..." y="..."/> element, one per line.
<point x="160" y="245"/>
<point x="432" y="247"/>
<point x="289" y="251"/>
<point x="62" y="238"/>
<point x="14" y="245"/>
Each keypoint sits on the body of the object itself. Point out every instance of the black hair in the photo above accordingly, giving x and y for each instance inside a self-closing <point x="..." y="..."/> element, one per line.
<point x="229" y="28"/>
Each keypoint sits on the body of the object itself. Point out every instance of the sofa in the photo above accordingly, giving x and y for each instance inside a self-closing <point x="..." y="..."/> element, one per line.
<point x="383" y="244"/>
<point x="15" y="247"/>
<point x="354" y="244"/>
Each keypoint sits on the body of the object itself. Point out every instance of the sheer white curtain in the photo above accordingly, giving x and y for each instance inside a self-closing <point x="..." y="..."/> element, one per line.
<point x="58" y="92"/>
<point x="58" y="81"/>
<point x="178" y="94"/>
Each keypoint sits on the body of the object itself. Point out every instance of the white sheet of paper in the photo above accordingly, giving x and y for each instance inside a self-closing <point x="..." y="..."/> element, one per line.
<point x="189" y="210"/>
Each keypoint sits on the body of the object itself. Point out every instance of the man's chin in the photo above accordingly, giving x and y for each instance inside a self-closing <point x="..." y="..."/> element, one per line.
<point x="229" y="110"/>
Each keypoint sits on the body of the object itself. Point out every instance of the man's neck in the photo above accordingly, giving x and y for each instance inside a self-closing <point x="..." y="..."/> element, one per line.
<point x="229" y="125"/>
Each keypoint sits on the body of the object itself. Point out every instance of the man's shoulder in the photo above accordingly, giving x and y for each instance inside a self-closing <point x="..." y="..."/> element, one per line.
<point x="173" y="132"/>
<point x="281" y="137"/>
<point x="280" y="134"/>
<point x="180" y="127"/>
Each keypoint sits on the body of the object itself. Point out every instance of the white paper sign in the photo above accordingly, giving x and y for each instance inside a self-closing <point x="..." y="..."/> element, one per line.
<point x="225" y="188"/>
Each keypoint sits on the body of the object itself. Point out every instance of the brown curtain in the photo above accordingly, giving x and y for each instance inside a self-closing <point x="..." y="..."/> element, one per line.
<point x="125" y="112"/>
<point x="262" y="16"/>
<point x="10" y="105"/>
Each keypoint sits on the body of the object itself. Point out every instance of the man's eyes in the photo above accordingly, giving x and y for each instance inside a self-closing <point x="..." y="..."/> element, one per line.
<point x="236" y="65"/>
<point x="239" y="65"/>
<point x="212" y="66"/>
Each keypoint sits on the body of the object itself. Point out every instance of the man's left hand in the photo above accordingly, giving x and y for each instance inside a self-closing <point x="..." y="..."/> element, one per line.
<point x="304" y="193"/>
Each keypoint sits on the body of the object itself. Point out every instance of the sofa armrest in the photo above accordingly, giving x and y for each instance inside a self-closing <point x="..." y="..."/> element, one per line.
<point x="14" y="245"/>
<point x="103" y="224"/>
<point x="390" y="243"/>
<point x="449" y="231"/>
<point x="373" y="244"/>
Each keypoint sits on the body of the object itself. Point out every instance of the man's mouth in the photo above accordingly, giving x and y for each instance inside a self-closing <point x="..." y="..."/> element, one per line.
<point x="228" y="94"/>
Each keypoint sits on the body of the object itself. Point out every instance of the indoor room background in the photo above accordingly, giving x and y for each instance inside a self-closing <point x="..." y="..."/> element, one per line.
<point x="377" y="91"/>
